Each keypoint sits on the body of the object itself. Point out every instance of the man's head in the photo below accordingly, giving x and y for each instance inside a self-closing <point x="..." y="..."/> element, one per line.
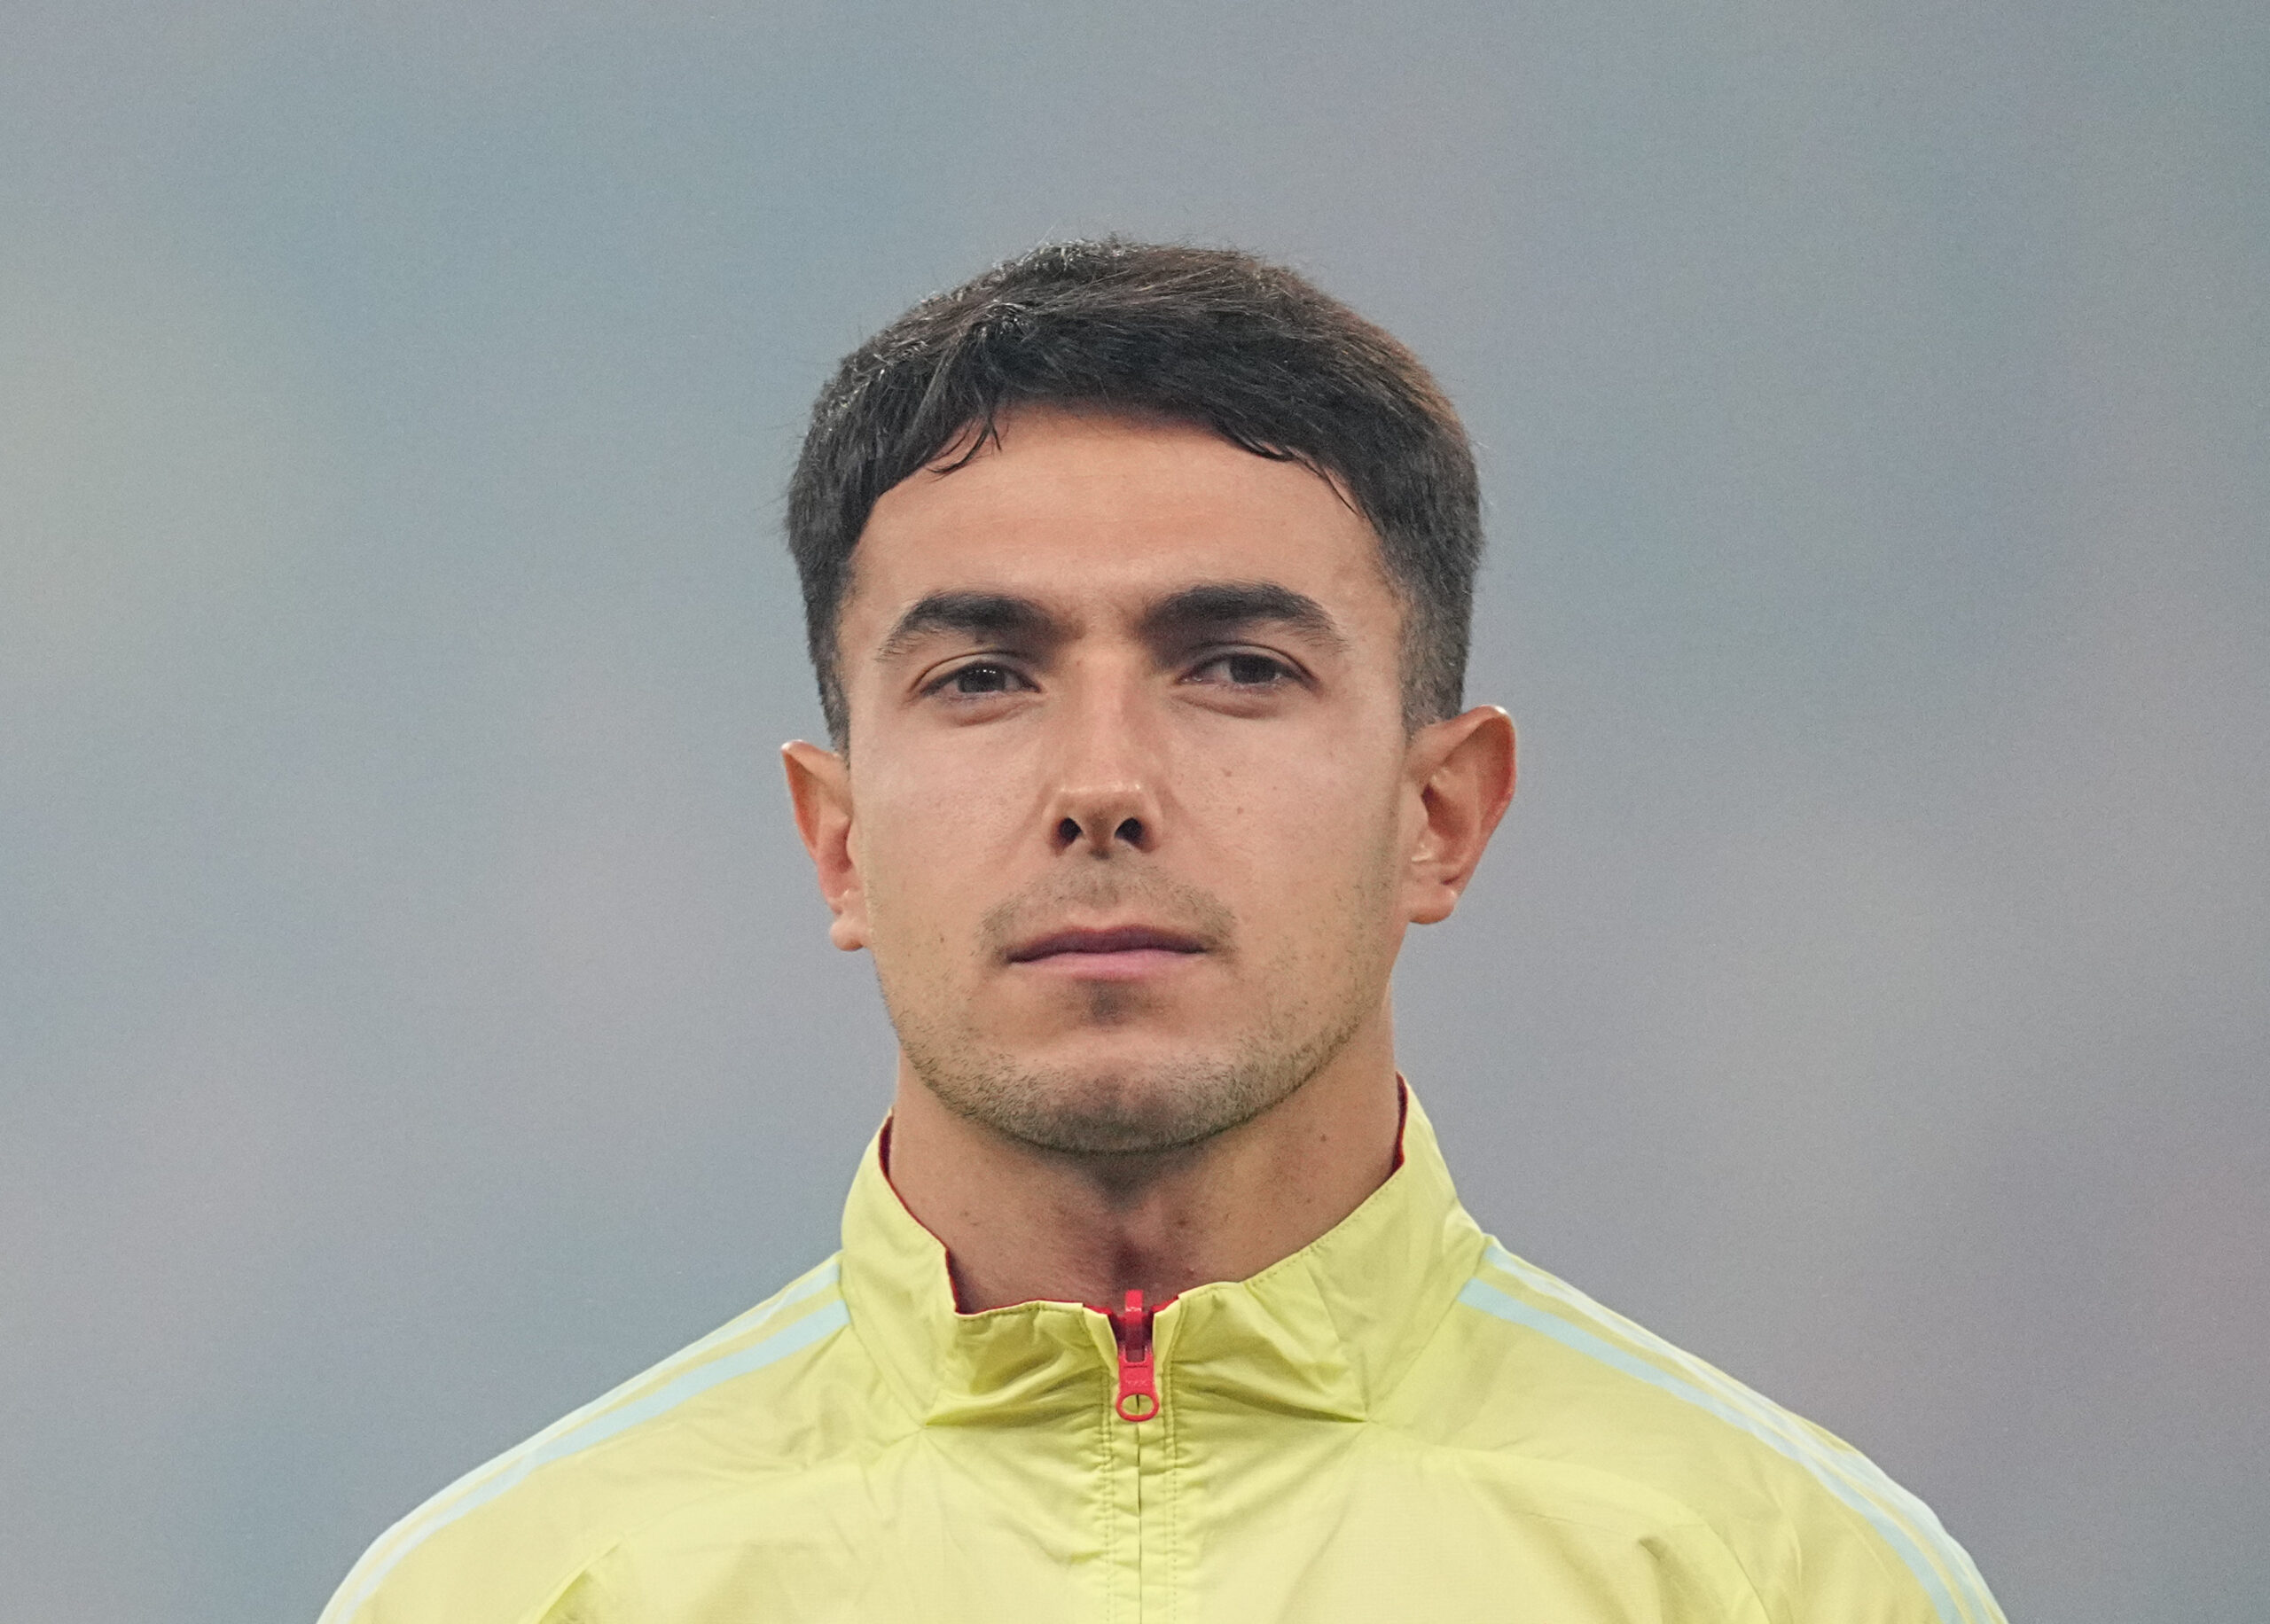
<point x="1137" y="582"/>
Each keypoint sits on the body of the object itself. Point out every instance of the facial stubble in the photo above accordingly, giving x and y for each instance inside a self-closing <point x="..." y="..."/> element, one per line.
<point x="1127" y="1109"/>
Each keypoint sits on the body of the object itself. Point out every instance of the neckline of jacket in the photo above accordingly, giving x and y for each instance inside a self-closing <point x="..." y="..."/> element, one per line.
<point x="1327" y="1332"/>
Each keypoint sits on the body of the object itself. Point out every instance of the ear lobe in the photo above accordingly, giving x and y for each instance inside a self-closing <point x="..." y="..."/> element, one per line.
<point x="820" y="790"/>
<point x="1464" y="772"/>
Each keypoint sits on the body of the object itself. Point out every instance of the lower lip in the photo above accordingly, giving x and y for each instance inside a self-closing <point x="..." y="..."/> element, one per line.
<point x="1131" y="965"/>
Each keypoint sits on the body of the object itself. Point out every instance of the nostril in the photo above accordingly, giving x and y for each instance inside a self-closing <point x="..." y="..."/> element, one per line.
<point x="1131" y="831"/>
<point x="1067" y="832"/>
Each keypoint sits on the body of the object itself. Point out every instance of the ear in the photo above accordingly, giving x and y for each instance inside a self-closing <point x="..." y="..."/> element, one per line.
<point x="1460" y="778"/>
<point x="819" y="788"/>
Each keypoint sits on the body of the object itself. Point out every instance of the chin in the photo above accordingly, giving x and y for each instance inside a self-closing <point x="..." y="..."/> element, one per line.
<point x="1128" y="1100"/>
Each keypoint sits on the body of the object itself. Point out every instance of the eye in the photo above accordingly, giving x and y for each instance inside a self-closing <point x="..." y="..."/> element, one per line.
<point x="978" y="680"/>
<point x="1243" y="669"/>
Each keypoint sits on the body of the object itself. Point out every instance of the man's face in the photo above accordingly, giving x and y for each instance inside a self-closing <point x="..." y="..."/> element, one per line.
<point x="1130" y="812"/>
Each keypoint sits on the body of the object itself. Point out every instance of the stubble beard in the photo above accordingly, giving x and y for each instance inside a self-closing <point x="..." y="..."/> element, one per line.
<point x="1117" y="1111"/>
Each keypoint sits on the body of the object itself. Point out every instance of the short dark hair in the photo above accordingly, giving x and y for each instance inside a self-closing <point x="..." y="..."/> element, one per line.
<point x="1211" y="336"/>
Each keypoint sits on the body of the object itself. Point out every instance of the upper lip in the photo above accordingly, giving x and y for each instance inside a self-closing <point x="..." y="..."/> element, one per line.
<point x="1116" y="939"/>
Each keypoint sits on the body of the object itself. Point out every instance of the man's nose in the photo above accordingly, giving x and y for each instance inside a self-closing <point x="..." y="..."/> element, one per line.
<point x="1105" y="818"/>
<point x="1106" y="799"/>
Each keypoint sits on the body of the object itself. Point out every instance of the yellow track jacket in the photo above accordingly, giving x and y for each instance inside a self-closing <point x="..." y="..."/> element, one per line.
<point x="1403" y="1424"/>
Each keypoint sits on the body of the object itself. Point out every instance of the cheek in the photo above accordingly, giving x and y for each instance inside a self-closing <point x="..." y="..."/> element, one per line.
<point x="1311" y="839"/>
<point x="927" y="849"/>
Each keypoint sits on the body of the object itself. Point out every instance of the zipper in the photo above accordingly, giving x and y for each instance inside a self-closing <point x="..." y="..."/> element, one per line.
<point x="1138" y="1386"/>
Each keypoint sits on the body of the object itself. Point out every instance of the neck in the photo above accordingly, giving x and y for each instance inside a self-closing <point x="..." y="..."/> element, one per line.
<point x="1023" y="1224"/>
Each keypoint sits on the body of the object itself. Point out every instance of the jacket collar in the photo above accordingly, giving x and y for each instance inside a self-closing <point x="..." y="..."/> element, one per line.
<point x="1327" y="1331"/>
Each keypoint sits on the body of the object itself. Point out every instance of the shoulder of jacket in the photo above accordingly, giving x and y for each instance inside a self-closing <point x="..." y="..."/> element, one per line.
<point x="1814" y="1523"/>
<point x="496" y="1544"/>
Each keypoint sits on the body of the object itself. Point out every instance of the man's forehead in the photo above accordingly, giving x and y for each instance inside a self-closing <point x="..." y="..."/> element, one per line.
<point x="1088" y="517"/>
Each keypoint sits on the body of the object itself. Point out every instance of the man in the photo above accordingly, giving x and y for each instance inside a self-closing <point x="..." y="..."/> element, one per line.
<point x="1137" y="580"/>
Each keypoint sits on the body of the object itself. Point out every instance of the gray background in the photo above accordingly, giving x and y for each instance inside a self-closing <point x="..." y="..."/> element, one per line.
<point x="414" y="1010"/>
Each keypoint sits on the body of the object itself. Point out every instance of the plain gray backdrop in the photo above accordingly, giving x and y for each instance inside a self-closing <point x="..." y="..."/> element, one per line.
<point x="415" y="1012"/>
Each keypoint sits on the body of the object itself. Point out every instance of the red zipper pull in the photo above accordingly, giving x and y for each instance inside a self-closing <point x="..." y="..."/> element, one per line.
<point x="1138" y="1388"/>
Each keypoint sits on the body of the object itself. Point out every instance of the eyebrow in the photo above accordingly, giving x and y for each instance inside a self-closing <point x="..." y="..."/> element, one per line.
<point x="1219" y="606"/>
<point x="1211" y="608"/>
<point x="990" y="616"/>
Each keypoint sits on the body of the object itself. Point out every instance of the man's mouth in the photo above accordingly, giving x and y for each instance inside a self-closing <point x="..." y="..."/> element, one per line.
<point x="1121" y="952"/>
